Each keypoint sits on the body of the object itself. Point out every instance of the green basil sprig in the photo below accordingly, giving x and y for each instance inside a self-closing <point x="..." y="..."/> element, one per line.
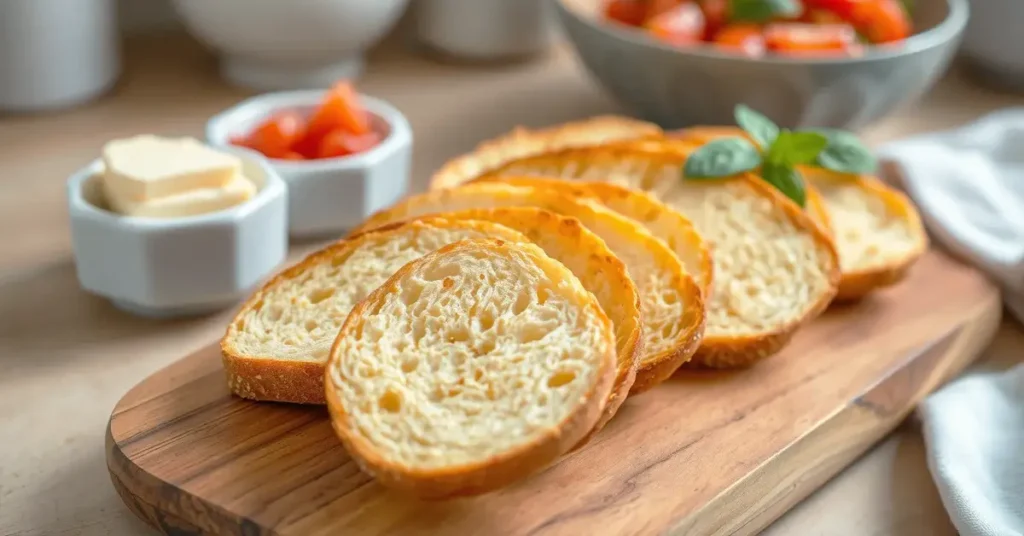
<point x="777" y="154"/>
<point x="763" y="10"/>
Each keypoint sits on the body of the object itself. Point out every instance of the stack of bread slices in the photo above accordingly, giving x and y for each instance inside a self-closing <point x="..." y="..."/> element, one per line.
<point x="467" y="337"/>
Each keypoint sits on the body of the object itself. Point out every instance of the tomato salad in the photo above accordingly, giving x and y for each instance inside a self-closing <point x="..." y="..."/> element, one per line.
<point x="755" y="28"/>
<point x="339" y="126"/>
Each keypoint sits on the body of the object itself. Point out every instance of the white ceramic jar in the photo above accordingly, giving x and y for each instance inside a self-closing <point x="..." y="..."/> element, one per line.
<point x="56" y="53"/>
<point x="484" y="29"/>
<point x="289" y="44"/>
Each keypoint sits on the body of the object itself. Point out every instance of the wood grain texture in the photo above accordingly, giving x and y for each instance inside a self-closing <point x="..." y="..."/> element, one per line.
<point x="704" y="453"/>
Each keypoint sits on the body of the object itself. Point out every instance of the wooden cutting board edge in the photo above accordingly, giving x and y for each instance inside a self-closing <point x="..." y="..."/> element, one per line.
<point x="746" y="507"/>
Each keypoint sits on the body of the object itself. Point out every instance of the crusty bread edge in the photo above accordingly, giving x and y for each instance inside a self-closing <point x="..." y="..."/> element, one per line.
<point x="856" y="284"/>
<point x="480" y="477"/>
<point x="736" y="352"/>
<point x="270" y="379"/>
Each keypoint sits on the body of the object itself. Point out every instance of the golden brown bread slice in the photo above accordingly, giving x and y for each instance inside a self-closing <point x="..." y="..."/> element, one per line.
<point x="876" y="229"/>
<point x="670" y="300"/>
<point x="277" y="344"/>
<point x="687" y="140"/>
<point x="522" y="142"/>
<point x="472" y="367"/>
<point x="664" y="223"/>
<point x="587" y="256"/>
<point x="774" y="268"/>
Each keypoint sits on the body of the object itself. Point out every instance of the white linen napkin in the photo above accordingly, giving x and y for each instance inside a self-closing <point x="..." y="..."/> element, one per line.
<point x="969" y="185"/>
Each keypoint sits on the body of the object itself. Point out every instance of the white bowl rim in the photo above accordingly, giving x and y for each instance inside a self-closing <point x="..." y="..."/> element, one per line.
<point x="274" y="187"/>
<point x="949" y="28"/>
<point x="399" y="131"/>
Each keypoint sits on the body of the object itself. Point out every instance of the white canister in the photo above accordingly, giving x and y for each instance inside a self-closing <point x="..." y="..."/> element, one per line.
<point x="484" y="29"/>
<point x="56" y="53"/>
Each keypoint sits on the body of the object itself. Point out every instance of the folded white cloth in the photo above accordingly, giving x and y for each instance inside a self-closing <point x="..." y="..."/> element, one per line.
<point x="974" y="432"/>
<point x="969" y="185"/>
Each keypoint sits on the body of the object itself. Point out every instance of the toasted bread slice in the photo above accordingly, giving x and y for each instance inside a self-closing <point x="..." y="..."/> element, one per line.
<point x="660" y="220"/>
<point x="687" y="140"/>
<point x="472" y="367"/>
<point x="567" y="241"/>
<point x="876" y="229"/>
<point x="775" y="269"/>
<point x="670" y="300"/>
<point x="276" y="346"/>
<point x="523" y="142"/>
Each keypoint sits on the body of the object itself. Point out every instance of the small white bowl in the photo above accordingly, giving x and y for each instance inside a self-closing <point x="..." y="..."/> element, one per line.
<point x="328" y="196"/>
<point x="272" y="45"/>
<point x="186" y="266"/>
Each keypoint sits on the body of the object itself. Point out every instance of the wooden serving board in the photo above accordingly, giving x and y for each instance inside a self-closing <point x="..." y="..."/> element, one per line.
<point x="704" y="453"/>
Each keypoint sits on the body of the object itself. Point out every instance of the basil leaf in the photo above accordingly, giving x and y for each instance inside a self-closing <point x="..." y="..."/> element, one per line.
<point x="792" y="148"/>
<point x="846" y="154"/>
<point x="721" y="158"/>
<point x="762" y="10"/>
<point x="787" y="180"/>
<point x="762" y="129"/>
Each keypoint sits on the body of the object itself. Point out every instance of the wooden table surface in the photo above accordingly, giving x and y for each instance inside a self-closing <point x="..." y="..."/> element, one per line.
<point x="66" y="357"/>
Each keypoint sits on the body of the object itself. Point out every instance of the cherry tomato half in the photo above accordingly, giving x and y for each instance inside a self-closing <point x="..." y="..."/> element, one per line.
<point x="881" y="21"/>
<point x="683" y="25"/>
<point x="800" y="38"/>
<point x="746" y="39"/>
<point x="630" y="12"/>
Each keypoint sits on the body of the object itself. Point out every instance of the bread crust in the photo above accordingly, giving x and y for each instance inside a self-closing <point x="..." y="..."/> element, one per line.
<point x="267" y="378"/>
<point x="855" y="284"/>
<point x="736" y="352"/>
<point x="487" y="475"/>
<point x="603" y="268"/>
<point x="634" y="204"/>
<point x="521" y="142"/>
<point x="653" y="369"/>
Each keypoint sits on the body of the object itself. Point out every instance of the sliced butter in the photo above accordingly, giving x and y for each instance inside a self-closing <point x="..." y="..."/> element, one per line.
<point x="149" y="167"/>
<point x="200" y="201"/>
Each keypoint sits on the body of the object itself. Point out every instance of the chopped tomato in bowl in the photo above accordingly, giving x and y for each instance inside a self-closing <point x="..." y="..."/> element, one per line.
<point x="768" y="27"/>
<point x="338" y="126"/>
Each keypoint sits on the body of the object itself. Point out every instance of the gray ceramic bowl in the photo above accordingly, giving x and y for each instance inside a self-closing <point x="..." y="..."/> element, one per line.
<point x="682" y="87"/>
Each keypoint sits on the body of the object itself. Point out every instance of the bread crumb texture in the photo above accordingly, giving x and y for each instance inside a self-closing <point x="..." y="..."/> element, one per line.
<point x="297" y="315"/>
<point x="469" y="354"/>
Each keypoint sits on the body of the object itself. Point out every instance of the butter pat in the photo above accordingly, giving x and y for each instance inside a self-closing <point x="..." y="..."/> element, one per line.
<point x="149" y="167"/>
<point x="190" y="203"/>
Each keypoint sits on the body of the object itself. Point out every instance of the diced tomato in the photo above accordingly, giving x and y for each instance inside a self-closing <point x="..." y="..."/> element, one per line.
<point x="275" y="136"/>
<point x="631" y="12"/>
<point x="821" y="16"/>
<point x="840" y="8"/>
<point x="881" y="21"/>
<point x="342" y="143"/>
<point x="716" y="14"/>
<point x="744" y="38"/>
<point x="292" y="155"/>
<point x="340" y="109"/>
<point x="656" y="8"/>
<point x="799" y="38"/>
<point x="683" y="25"/>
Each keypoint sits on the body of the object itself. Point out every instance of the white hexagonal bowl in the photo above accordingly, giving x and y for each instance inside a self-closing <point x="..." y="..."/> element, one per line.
<point x="329" y="196"/>
<point x="170" y="267"/>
